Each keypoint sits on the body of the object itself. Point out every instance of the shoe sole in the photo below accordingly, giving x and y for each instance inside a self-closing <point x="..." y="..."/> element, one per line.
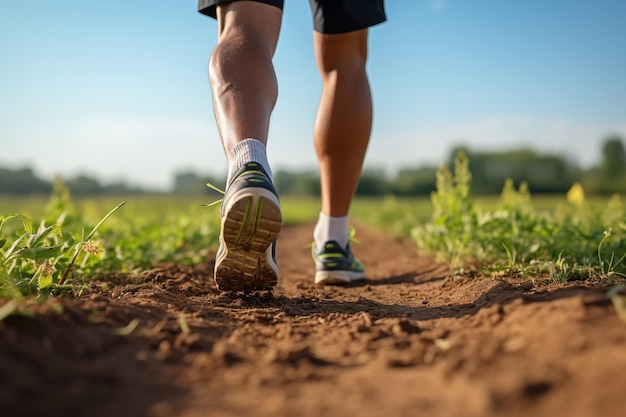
<point x="250" y="225"/>
<point x="337" y="277"/>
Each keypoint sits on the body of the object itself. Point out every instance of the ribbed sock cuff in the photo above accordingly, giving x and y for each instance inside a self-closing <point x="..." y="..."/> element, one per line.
<point x="331" y="228"/>
<point x="248" y="150"/>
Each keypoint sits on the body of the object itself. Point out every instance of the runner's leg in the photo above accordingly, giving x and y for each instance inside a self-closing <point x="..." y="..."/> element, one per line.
<point x="344" y="119"/>
<point x="241" y="70"/>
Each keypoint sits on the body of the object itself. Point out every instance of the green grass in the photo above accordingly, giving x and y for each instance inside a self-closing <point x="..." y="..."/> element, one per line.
<point x="299" y="209"/>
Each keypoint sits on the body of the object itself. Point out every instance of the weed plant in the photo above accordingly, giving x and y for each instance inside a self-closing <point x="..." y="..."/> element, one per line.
<point x="575" y="239"/>
<point x="66" y="248"/>
<point x="39" y="258"/>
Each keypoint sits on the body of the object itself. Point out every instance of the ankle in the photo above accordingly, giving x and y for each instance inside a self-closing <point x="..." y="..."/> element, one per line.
<point x="331" y="228"/>
<point x="248" y="150"/>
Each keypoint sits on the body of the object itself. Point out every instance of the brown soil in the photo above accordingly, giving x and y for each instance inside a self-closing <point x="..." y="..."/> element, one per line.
<point x="408" y="342"/>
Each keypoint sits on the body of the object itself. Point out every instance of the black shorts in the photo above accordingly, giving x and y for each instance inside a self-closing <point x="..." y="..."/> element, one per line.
<point x="329" y="16"/>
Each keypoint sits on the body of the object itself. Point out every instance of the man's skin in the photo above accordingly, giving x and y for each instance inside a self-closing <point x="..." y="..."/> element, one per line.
<point x="245" y="91"/>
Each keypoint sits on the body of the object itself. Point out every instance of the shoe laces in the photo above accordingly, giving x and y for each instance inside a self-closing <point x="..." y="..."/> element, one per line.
<point x="222" y="192"/>
<point x="217" y="189"/>
<point x="352" y="234"/>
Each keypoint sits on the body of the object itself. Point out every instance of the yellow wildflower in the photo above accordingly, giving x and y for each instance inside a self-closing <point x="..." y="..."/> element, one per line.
<point x="576" y="194"/>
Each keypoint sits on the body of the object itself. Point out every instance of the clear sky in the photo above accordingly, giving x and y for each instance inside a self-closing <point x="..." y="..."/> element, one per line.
<point x="119" y="88"/>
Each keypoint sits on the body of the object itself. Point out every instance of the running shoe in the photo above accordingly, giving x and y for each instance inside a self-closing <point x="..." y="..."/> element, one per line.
<point x="336" y="265"/>
<point x="251" y="221"/>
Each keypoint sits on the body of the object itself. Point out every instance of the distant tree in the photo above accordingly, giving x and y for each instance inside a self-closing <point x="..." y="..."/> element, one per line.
<point x="544" y="173"/>
<point x="22" y="181"/>
<point x="185" y="182"/>
<point x="415" y="181"/>
<point x="610" y="175"/>
<point x="190" y="183"/>
<point x="285" y="181"/>
<point x="613" y="164"/>
<point x="84" y="185"/>
<point x="373" y="182"/>
<point x="121" y="188"/>
<point x="302" y="183"/>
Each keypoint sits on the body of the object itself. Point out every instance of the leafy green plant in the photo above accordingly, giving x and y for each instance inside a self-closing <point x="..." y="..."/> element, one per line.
<point x="145" y="237"/>
<point x="76" y="241"/>
<point x="571" y="240"/>
<point x="38" y="260"/>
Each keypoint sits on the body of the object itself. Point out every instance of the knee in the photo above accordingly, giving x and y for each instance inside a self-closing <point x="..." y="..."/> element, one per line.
<point x="343" y="54"/>
<point x="346" y="67"/>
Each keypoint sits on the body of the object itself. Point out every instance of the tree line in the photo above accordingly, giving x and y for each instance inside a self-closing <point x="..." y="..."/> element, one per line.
<point x="544" y="173"/>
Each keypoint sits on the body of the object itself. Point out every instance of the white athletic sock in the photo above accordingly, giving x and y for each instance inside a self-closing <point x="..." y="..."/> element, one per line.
<point x="248" y="150"/>
<point x="331" y="228"/>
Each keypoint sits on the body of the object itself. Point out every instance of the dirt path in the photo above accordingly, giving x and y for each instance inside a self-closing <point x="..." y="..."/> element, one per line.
<point x="408" y="342"/>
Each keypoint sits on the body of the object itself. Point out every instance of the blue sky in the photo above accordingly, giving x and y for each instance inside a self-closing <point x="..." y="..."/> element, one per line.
<point x="119" y="89"/>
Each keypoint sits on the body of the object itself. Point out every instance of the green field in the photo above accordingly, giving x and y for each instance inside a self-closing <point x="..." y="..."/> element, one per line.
<point x="51" y="243"/>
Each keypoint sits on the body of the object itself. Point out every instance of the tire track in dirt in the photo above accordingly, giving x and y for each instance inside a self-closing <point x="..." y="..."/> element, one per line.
<point x="409" y="341"/>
